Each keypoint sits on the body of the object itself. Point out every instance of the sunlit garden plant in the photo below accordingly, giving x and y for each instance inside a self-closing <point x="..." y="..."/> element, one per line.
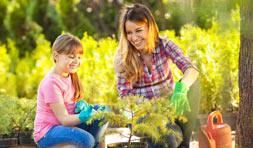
<point x="145" y="118"/>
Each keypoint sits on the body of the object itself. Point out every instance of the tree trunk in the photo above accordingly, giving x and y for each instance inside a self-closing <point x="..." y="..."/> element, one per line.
<point x="245" y="116"/>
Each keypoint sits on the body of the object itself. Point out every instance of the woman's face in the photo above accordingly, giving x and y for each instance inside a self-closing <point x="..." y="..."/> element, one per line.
<point x="137" y="34"/>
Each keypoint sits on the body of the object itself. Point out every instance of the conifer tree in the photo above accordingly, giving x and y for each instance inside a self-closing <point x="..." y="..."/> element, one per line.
<point x="144" y="118"/>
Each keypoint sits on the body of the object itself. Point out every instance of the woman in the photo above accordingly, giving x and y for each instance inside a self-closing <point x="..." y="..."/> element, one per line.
<point x="142" y="61"/>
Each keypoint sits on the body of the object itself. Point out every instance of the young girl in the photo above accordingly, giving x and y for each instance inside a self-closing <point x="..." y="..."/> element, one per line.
<point x="57" y="96"/>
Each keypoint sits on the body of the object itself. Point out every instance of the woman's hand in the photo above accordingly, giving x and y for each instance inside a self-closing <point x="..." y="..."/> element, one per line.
<point x="179" y="98"/>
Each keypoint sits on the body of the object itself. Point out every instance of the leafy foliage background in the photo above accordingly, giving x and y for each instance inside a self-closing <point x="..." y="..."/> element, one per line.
<point x="212" y="43"/>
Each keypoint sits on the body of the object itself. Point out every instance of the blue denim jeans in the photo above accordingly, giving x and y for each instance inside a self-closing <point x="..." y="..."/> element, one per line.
<point x="81" y="136"/>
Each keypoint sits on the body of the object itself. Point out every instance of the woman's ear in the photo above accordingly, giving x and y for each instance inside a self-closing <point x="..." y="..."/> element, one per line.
<point x="55" y="56"/>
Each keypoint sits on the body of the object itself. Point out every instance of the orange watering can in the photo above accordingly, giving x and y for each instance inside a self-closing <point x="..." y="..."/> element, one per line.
<point x="215" y="135"/>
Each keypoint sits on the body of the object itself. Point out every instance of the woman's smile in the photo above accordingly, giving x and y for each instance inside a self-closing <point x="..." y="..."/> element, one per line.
<point x="137" y="34"/>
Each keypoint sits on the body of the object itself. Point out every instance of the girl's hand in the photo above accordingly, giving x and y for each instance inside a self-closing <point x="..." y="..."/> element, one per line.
<point x="85" y="114"/>
<point x="81" y="105"/>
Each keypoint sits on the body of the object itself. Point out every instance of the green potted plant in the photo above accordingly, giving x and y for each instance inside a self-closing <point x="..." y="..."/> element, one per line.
<point x="26" y="110"/>
<point x="8" y="136"/>
<point x="145" y="118"/>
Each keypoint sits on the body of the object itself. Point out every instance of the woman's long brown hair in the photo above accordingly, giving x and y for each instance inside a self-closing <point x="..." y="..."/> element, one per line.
<point x="127" y="61"/>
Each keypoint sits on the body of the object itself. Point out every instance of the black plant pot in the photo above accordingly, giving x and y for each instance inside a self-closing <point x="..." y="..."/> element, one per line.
<point x="125" y="145"/>
<point x="25" y="138"/>
<point x="8" y="140"/>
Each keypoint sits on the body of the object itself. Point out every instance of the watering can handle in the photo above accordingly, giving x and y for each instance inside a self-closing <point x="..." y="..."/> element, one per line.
<point x="211" y="116"/>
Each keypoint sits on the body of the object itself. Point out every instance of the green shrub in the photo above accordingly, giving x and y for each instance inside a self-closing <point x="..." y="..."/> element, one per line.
<point x="16" y="114"/>
<point x="97" y="69"/>
<point x="142" y="116"/>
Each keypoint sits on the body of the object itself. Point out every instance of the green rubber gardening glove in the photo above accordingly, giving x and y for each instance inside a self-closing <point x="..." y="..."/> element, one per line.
<point x="84" y="109"/>
<point x="179" y="98"/>
<point x="81" y="105"/>
<point x="85" y="114"/>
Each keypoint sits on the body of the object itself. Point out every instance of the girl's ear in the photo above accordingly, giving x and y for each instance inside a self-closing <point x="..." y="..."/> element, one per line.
<point x="55" y="56"/>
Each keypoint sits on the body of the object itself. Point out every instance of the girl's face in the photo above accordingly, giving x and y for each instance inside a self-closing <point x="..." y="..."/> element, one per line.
<point x="137" y="34"/>
<point x="66" y="64"/>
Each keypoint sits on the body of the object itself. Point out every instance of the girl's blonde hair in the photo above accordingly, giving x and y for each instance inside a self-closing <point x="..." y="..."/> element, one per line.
<point x="69" y="44"/>
<point x="127" y="60"/>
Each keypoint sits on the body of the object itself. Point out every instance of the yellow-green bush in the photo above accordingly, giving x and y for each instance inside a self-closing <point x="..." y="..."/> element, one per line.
<point x="97" y="71"/>
<point x="16" y="114"/>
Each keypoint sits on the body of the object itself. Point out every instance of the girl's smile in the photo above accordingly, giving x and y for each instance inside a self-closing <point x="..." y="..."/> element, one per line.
<point x="66" y="64"/>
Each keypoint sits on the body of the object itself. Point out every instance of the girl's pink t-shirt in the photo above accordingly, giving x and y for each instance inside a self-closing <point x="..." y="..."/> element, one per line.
<point x="52" y="89"/>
